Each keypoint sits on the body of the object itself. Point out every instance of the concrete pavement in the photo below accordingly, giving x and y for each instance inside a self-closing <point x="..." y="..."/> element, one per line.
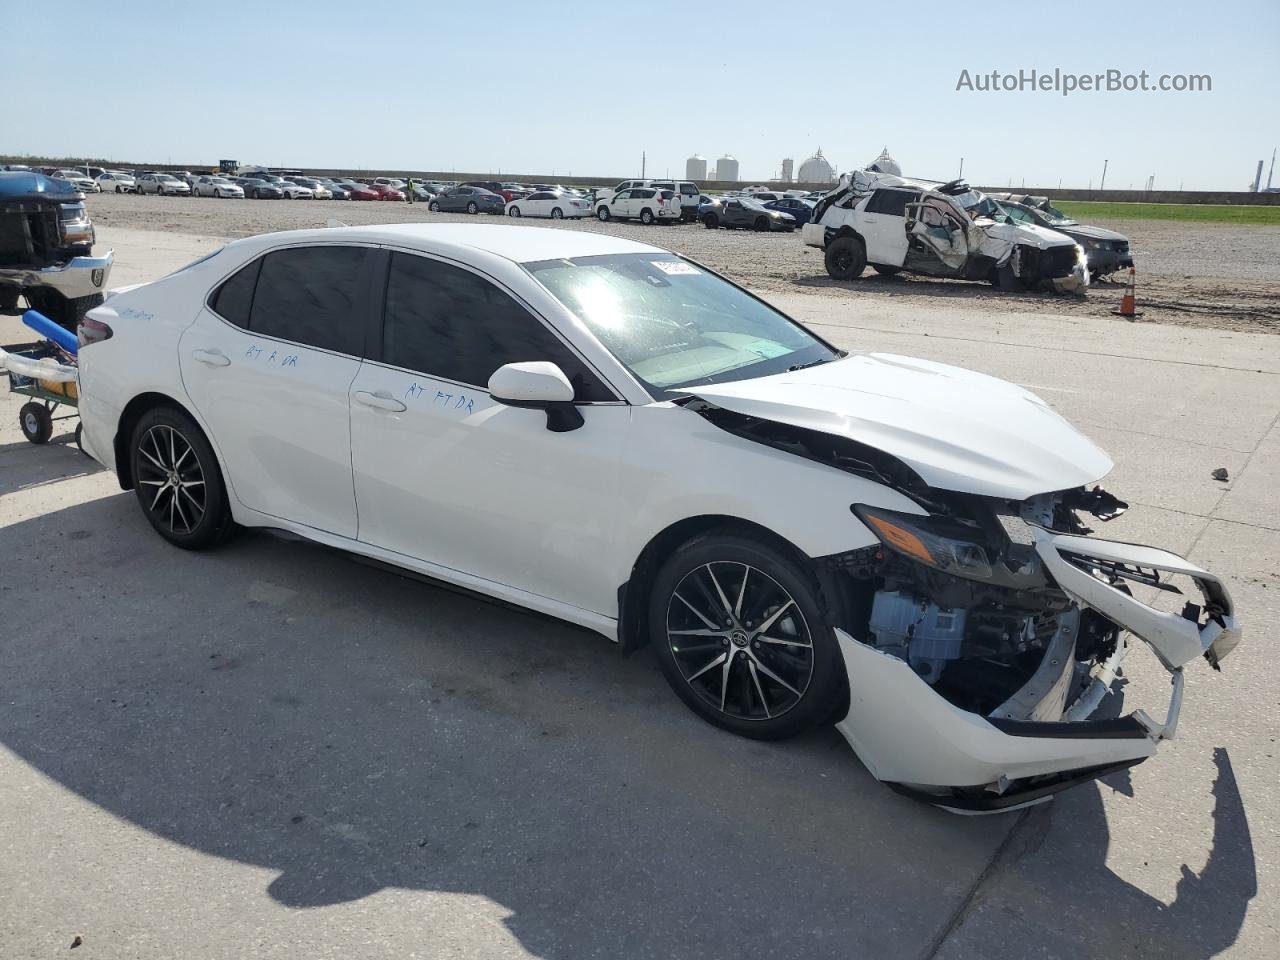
<point x="271" y="749"/>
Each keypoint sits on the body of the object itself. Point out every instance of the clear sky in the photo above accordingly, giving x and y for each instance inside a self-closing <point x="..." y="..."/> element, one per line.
<point x="581" y="88"/>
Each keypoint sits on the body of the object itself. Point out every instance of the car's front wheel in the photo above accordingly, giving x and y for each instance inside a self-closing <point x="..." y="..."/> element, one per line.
<point x="602" y="214"/>
<point x="513" y="212"/>
<point x="472" y="208"/>
<point x="177" y="481"/>
<point x="433" y="207"/>
<point x="741" y="638"/>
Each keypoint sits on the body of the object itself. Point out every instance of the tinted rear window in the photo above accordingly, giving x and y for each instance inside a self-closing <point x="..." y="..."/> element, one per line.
<point x="310" y="295"/>
<point x="893" y="202"/>
<point x="234" y="299"/>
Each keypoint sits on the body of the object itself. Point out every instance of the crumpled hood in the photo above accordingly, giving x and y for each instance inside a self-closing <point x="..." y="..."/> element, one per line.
<point x="1028" y="233"/>
<point x="958" y="430"/>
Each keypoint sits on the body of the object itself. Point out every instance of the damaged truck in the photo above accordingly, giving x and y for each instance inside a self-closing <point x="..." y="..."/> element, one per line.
<point x="46" y="248"/>
<point x="946" y="230"/>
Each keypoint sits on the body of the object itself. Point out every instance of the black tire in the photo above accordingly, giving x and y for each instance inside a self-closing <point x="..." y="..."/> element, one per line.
<point x="180" y="515"/>
<point x="257" y="195"/>
<point x="884" y="270"/>
<point x="80" y="439"/>
<point x="513" y="212"/>
<point x="761" y="224"/>
<point x="646" y="216"/>
<point x="433" y="207"/>
<point x="119" y="189"/>
<point x="602" y="214"/>
<point x="846" y="258"/>
<point x="770" y="684"/>
<point x="36" y="422"/>
<point x="67" y="312"/>
<point x="472" y="208"/>
<point x="557" y="213"/>
<point x="1006" y="279"/>
<point x="9" y="297"/>
<point x="711" y="221"/>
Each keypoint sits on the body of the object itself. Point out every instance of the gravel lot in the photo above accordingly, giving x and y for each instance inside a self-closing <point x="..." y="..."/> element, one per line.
<point x="1202" y="275"/>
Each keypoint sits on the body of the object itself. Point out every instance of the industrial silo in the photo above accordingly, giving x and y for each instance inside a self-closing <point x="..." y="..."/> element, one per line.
<point x="695" y="168"/>
<point x="788" y="170"/>
<point x="727" y="169"/>
<point x="817" y="169"/>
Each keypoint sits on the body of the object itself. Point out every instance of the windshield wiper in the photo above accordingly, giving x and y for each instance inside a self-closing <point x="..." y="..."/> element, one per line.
<point x="811" y="363"/>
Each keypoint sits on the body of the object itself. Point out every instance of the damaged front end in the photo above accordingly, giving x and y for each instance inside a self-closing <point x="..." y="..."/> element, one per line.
<point x="983" y="631"/>
<point x="983" y="637"/>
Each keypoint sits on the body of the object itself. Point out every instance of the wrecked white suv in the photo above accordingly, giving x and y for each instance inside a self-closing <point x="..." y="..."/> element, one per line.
<point x="940" y="230"/>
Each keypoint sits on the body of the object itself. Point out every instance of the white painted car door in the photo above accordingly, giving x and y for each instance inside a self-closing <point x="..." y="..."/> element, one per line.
<point x="446" y="475"/>
<point x="883" y="224"/>
<point x="269" y="365"/>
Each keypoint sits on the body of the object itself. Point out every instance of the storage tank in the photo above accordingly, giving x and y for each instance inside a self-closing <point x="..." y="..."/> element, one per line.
<point x="695" y="168"/>
<point x="727" y="169"/>
<point x="885" y="164"/>
<point x="817" y="169"/>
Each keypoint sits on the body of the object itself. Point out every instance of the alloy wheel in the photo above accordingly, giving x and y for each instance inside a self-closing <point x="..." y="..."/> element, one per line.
<point x="169" y="466"/>
<point x="740" y="640"/>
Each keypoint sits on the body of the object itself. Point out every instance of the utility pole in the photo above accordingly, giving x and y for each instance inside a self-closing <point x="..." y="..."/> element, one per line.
<point x="642" y="164"/>
<point x="961" y="177"/>
<point x="1102" y="184"/>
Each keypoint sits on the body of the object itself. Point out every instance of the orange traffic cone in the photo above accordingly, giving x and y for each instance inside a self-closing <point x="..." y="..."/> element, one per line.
<point x="1128" y="307"/>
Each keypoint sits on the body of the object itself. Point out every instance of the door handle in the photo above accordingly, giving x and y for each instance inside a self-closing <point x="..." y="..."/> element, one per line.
<point x="214" y="358"/>
<point x="380" y="401"/>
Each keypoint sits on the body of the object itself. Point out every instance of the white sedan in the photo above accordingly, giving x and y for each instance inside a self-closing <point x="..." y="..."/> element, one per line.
<point x="81" y="180"/>
<point x="220" y="187"/>
<point x="113" y="181"/>
<point x="605" y="432"/>
<point x="550" y="203"/>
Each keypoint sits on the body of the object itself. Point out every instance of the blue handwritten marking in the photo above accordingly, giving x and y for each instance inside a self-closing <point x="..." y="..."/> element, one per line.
<point x="291" y="360"/>
<point x="450" y="401"/>
<point x="255" y="352"/>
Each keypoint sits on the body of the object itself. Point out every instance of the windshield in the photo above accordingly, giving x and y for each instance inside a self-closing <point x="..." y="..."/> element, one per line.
<point x="673" y="324"/>
<point x="164" y="176"/>
<point x="978" y="204"/>
<point x="1056" y="217"/>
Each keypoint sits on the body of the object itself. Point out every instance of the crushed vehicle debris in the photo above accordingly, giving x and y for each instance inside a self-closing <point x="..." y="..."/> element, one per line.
<point x="947" y="230"/>
<point x="46" y="244"/>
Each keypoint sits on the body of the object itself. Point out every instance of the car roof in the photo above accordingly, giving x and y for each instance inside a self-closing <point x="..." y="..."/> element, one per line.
<point x="520" y="244"/>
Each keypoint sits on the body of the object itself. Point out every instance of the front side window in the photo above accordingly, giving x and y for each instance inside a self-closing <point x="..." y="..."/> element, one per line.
<point x="891" y="202"/>
<point x="447" y="322"/>
<point x="673" y="324"/>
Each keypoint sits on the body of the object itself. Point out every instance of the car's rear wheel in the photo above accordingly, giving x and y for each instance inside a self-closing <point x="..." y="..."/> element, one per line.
<point x="177" y="481"/>
<point x="602" y="214"/>
<point x="711" y="221"/>
<point x="741" y="638"/>
<point x="513" y="212"/>
<point x="472" y="208"/>
<point x="646" y="216"/>
<point x="761" y="224"/>
<point x="846" y="258"/>
<point x="557" y="213"/>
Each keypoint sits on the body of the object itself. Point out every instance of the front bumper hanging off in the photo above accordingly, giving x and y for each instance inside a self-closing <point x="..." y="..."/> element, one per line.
<point x="922" y="745"/>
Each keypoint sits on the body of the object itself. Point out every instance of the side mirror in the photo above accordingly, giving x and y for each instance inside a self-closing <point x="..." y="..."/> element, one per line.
<point x="537" y="385"/>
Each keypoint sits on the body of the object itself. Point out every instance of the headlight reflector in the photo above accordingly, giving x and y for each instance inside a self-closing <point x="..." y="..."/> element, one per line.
<point x="911" y="537"/>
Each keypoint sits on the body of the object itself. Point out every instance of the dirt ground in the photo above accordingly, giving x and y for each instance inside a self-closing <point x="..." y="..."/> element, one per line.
<point x="1201" y="275"/>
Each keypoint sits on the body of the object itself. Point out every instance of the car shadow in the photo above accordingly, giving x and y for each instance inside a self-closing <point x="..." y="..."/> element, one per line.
<point x="275" y="704"/>
<point x="24" y="465"/>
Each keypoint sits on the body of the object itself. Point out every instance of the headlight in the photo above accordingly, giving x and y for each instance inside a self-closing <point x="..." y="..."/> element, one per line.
<point x="912" y="537"/>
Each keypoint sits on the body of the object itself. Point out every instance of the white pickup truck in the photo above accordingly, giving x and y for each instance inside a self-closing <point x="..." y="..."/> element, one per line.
<point x="940" y="230"/>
